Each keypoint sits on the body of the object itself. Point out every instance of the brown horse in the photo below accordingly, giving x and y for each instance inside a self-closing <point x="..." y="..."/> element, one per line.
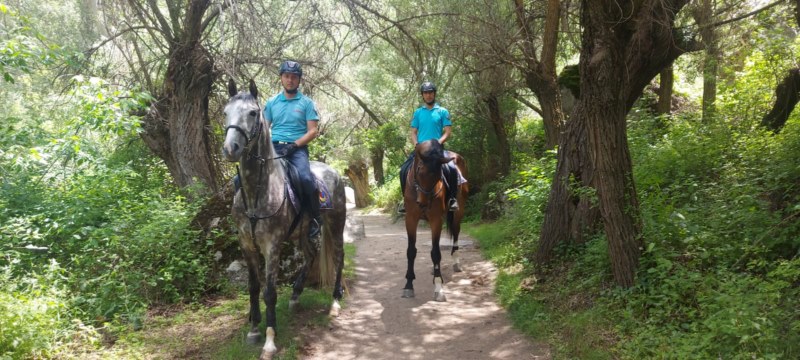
<point x="425" y="198"/>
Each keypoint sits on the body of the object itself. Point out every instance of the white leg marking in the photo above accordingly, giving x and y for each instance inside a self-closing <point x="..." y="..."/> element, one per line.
<point x="269" y="345"/>
<point x="438" y="291"/>
<point x="335" y="308"/>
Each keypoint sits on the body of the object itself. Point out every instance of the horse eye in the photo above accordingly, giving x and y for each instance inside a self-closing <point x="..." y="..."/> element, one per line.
<point x="253" y="113"/>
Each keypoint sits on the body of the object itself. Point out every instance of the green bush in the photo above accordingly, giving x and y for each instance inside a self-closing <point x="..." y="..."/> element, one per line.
<point x="34" y="312"/>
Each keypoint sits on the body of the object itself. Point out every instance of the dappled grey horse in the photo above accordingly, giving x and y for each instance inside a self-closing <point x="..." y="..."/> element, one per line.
<point x="266" y="216"/>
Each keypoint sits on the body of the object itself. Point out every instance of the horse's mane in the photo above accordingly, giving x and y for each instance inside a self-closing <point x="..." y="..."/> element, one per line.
<point x="432" y="154"/>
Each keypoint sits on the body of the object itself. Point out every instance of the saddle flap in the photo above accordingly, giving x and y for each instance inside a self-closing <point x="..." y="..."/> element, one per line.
<point x="295" y="194"/>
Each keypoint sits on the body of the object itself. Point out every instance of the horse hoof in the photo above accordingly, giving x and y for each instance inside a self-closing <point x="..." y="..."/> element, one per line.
<point x="266" y="355"/>
<point x="335" y="309"/>
<point x="439" y="296"/>
<point x="253" y="337"/>
<point x="456" y="267"/>
<point x="293" y="304"/>
<point x="408" y="293"/>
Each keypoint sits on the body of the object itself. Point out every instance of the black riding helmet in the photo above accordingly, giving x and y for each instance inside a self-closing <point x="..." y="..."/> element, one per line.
<point x="291" y="67"/>
<point x="427" y="86"/>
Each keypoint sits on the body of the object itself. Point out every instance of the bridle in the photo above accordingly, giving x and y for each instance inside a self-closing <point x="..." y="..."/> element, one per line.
<point x="432" y="192"/>
<point x="255" y="155"/>
<point x="254" y="135"/>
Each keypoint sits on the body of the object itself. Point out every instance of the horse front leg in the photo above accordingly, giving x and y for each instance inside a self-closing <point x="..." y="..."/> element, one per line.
<point x="254" y="287"/>
<point x="436" y="257"/>
<point x="272" y="256"/>
<point x="411" y="254"/>
<point x="254" y="281"/>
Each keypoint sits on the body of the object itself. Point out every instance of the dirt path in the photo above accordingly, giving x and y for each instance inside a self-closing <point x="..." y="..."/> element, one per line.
<point x="378" y="324"/>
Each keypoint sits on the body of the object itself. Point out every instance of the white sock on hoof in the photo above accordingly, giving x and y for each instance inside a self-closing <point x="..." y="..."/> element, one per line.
<point x="269" y="345"/>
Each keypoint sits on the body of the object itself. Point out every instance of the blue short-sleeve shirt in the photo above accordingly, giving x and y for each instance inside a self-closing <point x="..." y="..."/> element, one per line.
<point x="288" y="117"/>
<point x="430" y="123"/>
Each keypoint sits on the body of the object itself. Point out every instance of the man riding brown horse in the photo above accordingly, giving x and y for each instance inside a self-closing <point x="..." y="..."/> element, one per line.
<point x="432" y="121"/>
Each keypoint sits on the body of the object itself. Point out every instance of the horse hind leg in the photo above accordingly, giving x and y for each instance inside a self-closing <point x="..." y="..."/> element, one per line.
<point x="455" y="228"/>
<point x="454" y="225"/>
<point x="309" y="254"/>
<point x="336" y="239"/>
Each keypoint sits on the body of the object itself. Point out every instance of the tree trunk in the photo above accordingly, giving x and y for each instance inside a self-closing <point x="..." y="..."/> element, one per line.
<point x="786" y="97"/>
<point x="377" y="166"/>
<point x="501" y="133"/>
<point x="177" y="127"/>
<point x="704" y="16"/>
<point x="359" y="176"/>
<point x="569" y="217"/>
<point x="540" y="76"/>
<point x="664" y="106"/>
<point x="623" y="48"/>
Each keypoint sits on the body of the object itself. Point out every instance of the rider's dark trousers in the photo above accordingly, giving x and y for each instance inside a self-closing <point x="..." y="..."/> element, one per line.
<point x="299" y="159"/>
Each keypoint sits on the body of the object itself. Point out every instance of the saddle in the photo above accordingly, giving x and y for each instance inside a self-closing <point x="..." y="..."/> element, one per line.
<point x="295" y="193"/>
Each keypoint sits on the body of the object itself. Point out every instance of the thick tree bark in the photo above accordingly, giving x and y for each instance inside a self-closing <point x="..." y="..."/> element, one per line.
<point x="704" y="16"/>
<point x="666" y="80"/>
<point x="540" y="76"/>
<point x="377" y="166"/>
<point x="624" y="46"/>
<point x="177" y="127"/>
<point x="787" y="94"/>
<point x="501" y="134"/>
<point x="569" y="217"/>
<point x="359" y="176"/>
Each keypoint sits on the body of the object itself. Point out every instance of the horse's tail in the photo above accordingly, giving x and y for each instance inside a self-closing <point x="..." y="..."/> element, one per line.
<point x="331" y="247"/>
<point x="450" y="218"/>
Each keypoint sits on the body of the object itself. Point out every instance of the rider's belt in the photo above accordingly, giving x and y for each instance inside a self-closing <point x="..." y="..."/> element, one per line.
<point x="283" y="142"/>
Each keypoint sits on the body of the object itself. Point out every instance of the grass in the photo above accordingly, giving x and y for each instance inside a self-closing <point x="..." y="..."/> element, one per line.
<point x="553" y="310"/>
<point x="216" y="328"/>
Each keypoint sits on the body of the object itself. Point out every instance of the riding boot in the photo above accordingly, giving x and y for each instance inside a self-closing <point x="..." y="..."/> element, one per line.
<point x="403" y="174"/>
<point x="452" y="187"/>
<point x="315" y="225"/>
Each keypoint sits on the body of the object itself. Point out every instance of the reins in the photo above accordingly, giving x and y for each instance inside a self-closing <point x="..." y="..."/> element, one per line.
<point x="433" y="192"/>
<point x="256" y="155"/>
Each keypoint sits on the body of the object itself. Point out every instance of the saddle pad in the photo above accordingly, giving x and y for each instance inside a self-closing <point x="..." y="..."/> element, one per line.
<point x="292" y="186"/>
<point x="325" y="198"/>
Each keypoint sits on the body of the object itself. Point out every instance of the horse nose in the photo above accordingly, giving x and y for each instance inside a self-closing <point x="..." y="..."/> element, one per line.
<point x="230" y="151"/>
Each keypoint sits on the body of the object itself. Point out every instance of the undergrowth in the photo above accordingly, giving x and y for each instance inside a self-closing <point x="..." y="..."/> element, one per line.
<point x="719" y="272"/>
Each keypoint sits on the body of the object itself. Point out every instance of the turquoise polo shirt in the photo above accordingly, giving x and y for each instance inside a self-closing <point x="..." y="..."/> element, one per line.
<point x="288" y="117"/>
<point x="430" y="122"/>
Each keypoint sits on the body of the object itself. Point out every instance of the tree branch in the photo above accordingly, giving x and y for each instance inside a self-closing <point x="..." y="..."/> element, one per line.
<point x="720" y="23"/>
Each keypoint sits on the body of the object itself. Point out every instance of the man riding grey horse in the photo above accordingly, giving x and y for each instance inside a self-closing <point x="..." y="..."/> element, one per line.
<point x="293" y="119"/>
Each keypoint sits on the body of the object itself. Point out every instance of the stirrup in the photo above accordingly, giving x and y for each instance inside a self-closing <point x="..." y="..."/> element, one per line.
<point x="453" y="205"/>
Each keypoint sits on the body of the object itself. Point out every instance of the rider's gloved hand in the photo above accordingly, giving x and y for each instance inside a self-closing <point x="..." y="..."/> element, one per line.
<point x="289" y="149"/>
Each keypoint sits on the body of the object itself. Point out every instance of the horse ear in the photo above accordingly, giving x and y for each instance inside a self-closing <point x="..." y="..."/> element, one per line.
<point x="446" y="160"/>
<point x="231" y="87"/>
<point x="253" y="89"/>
